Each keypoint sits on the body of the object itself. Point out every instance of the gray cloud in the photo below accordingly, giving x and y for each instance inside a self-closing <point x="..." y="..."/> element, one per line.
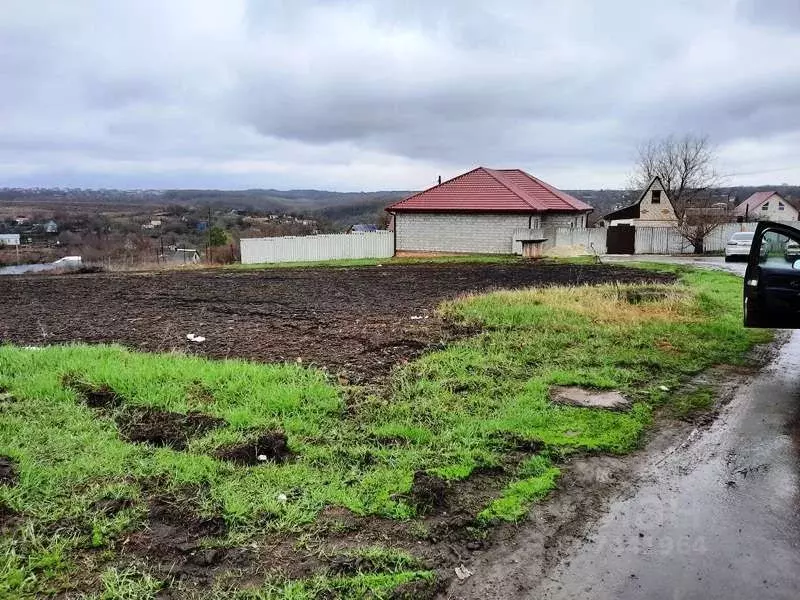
<point x="773" y="13"/>
<point x="366" y="94"/>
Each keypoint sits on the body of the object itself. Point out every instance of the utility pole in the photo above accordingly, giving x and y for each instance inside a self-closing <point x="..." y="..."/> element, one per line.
<point x="208" y="229"/>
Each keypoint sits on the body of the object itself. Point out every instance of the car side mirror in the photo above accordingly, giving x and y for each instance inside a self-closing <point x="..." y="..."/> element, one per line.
<point x="796" y="265"/>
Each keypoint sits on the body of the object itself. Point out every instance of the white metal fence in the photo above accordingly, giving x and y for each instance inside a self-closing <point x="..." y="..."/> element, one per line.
<point x="665" y="240"/>
<point x="378" y="244"/>
<point x="649" y="240"/>
<point x="560" y="240"/>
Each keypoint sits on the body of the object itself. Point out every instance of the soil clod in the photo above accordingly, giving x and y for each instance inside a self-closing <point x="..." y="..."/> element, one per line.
<point x="174" y="527"/>
<point x="346" y="564"/>
<point x="95" y="396"/>
<point x="9" y="517"/>
<point x="207" y="557"/>
<point x="8" y="471"/>
<point x="428" y="492"/>
<point x="111" y="506"/>
<point x="510" y="441"/>
<point x="162" y="428"/>
<point x="418" y="590"/>
<point x="271" y="447"/>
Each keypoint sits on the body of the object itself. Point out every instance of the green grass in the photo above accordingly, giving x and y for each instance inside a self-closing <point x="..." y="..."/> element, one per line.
<point x="391" y="569"/>
<point x="536" y="478"/>
<point x="355" y="587"/>
<point x="371" y="262"/>
<point x="694" y="402"/>
<point x="449" y="412"/>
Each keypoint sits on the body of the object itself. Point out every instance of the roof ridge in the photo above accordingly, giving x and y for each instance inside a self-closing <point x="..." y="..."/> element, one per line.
<point x="649" y="186"/>
<point x="756" y="199"/>
<point x="433" y="187"/>
<point x="489" y="190"/>
<point x="563" y="195"/>
<point x="518" y="191"/>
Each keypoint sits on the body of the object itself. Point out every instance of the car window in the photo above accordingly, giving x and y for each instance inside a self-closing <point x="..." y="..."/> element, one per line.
<point x="742" y="237"/>
<point x="778" y="251"/>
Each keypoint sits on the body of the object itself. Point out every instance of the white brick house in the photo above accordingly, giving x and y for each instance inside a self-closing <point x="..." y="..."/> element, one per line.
<point x="479" y="212"/>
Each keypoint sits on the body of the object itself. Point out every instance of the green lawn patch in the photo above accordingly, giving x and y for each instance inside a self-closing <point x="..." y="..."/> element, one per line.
<point x="104" y="442"/>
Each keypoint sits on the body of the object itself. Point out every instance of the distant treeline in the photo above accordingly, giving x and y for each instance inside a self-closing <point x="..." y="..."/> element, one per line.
<point x="339" y="208"/>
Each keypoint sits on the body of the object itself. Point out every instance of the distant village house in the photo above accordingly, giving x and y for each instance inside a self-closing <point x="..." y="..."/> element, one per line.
<point x="178" y="256"/>
<point x="767" y="206"/>
<point x="363" y="228"/>
<point x="152" y="224"/>
<point x="653" y="209"/>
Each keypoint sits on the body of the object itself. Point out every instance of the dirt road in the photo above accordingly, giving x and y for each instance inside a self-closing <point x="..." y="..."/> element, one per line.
<point x="714" y="517"/>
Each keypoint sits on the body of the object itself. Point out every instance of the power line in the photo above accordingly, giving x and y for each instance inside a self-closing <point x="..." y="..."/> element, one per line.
<point x="762" y="171"/>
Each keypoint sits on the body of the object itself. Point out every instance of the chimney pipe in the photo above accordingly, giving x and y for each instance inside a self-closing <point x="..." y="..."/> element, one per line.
<point x="440" y="180"/>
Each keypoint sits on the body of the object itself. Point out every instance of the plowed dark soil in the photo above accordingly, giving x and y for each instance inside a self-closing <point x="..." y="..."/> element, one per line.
<point x="269" y="447"/>
<point x="357" y="321"/>
<point x="163" y="428"/>
<point x="8" y="471"/>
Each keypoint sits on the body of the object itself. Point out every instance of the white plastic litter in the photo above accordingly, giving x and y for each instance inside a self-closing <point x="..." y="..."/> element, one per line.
<point x="416" y="317"/>
<point x="663" y="388"/>
<point x="262" y="457"/>
<point x="282" y="498"/>
<point x="195" y="338"/>
<point x="463" y="573"/>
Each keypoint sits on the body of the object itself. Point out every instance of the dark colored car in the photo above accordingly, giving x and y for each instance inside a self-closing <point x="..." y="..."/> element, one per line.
<point x="772" y="278"/>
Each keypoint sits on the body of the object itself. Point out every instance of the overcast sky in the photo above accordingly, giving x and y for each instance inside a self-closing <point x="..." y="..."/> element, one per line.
<point x="387" y="94"/>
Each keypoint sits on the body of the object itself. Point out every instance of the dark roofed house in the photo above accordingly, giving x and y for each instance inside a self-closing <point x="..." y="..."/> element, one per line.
<point x="363" y="228"/>
<point x="480" y="211"/>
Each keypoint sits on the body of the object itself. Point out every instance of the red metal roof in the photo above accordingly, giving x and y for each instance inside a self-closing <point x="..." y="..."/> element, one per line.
<point x="491" y="190"/>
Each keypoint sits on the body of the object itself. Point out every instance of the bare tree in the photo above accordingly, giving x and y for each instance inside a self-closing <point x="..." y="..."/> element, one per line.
<point x="685" y="167"/>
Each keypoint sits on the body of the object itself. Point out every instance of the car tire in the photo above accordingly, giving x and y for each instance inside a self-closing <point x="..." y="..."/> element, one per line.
<point x="728" y="258"/>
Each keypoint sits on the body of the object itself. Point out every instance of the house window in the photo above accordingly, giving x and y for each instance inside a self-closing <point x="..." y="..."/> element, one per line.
<point x="656" y="197"/>
<point x="765" y="206"/>
<point x="780" y="206"/>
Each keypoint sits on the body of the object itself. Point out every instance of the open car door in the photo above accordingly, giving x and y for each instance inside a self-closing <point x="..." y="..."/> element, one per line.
<point x="772" y="279"/>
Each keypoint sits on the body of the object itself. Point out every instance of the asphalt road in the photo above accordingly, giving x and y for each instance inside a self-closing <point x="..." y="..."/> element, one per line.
<point x="719" y="518"/>
<point x="707" y="262"/>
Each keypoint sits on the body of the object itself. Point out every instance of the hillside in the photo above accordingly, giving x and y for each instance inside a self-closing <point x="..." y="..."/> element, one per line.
<point x="340" y="209"/>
